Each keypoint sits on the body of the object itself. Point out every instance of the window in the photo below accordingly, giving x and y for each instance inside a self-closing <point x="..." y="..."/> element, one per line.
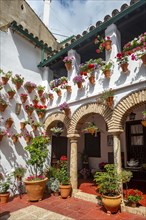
<point x="92" y="145"/>
<point x="136" y="141"/>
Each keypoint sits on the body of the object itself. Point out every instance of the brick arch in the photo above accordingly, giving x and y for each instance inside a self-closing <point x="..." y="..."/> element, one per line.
<point x="124" y="107"/>
<point x="58" y="116"/>
<point x="87" y="109"/>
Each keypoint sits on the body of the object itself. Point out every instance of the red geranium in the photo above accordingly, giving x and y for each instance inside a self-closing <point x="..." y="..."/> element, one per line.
<point x="63" y="158"/>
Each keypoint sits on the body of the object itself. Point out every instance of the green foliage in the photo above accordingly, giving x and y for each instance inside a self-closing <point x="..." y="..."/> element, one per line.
<point x="38" y="153"/>
<point x="5" y="184"/>
<point x="126" y="176"/>
<point x="63" y="173"/>
<point x="54" y="184"/>
<point x="19" y="172"/>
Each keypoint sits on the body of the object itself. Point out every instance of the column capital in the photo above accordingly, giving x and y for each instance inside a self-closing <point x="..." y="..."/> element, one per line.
<point x="116" y="132"/>
<point x="73" y="136"/>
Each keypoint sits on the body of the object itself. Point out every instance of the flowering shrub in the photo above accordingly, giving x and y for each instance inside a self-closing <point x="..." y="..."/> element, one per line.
<point x="133" y="195"/>
<point x="40" y="108"/>
<point x="85" y="172"/>
<point x="63" y="106"/>
<point x="35" y="178"/>
<point x="78" y="79"/>
<point x="67" y="59"/>
<point x="30" y="84"/>
<point x="121" y="58"/>
<point x="17" y="78"/>
<point x="101" y="41"/>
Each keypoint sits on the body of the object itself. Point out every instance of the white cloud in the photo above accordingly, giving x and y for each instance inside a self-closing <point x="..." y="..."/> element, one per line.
<point x="78" y="16"/>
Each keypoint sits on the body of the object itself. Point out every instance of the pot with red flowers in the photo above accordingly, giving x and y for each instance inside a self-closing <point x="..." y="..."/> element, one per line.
<point x="133" y="197"/>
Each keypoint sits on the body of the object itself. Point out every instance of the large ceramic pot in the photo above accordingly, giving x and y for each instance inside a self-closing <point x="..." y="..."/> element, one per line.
<point x="4" y="197"/>
<point x="35" y="189"/>
<point x="111" y="203"/>
<point x="65" y="191"/>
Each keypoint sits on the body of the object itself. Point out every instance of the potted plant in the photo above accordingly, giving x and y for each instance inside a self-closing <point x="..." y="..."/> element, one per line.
<point x="54" y="83"/>
<point x="38" y="153"/>
<point x="67" y="87"/>
<point x="23" y="124"/>
<point x="19" y="172"/>
<point x="5" y="184"/>
<point x="15" y="137"/>
<point x="106" y="68"/>
<point x="3" y="132"/>
<point x="143" y="122"/>
<point x="35" y="125"/>
<point x="109" y="185"/>
<point x="8" y="122"/>
<point x="140" y="55"/>
<point x="133" y="196"/>
<point x="63" y="79"/>
<point x="18" y="81"/>
<point x="54" y="185"/>
<point x="58" y="91"/>
<point x="40" y="89"/>
<point x="27" y="136"/>
<point x="50" y="95"/>
<point x="65" y="107"/>
<point x="29" y="109"/>
<point x="104" y="43"/>
<point x="43" y="98"/>
<point x="65" y="186"/>
<point x="78" y="80"/>
<point x="40" y="109"/>
<point x="11" y="93"/>
<point x="108" y="95"/>
<point x="56" y="131"/>
<point x="122" y="61"/>
<point x="68" y="62"/>
<point x="30" y="86"/>
<point x="91" y="128"/>
<point x="3" y="104"/>
<point x="23" y="97"/>
<point x="5" y="76"/>
<point x="35" y="100"/>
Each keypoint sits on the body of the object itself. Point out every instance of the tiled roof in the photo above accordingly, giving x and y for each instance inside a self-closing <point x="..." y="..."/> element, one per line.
<point x="92" y="30"/>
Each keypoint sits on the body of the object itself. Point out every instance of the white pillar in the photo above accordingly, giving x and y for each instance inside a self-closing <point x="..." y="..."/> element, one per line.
<point x="46" y="13"/>
<point x="115" y="36"/>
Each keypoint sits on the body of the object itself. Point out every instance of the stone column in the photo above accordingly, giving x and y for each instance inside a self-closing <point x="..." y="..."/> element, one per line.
<point x="73" y="160"/>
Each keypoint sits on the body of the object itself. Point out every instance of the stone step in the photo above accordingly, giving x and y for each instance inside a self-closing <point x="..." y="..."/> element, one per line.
<point x="86" y="196"/>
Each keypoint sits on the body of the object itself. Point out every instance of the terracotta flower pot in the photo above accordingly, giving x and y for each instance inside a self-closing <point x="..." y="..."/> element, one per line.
<point x="109" y="101"/>
<point x="18" y="85"/>
<point x="68" y="88"/>
<point x="65" y="191"/>
<point x="91" y="130"/>
<point x="124" y="67"/>
<point x="34" y="127"/>
<point x="51" y="97"/>
<point x="68" y="66"/>
<point x="22" y="125"/>
<point x="67" y="111"/>
<point x="3" y="107"/>
<point x="4" y="197"/>
<point x="14" y="138"/>
<point x="28" y="139"/>
<point x="107" y="74"/>
<point x="35" y="102"/>
<point x="35" y="189"/>
<point x="43" y="100"/>
<point x="30" y="89"/>
<point x="8" y="123"/>
<point x="111" y="203"/>
<point x="29" y="112"/>
<point x="144" y="59"/>
<point x="40" y="92"/>
<point x="59" y="93"/>
<point x="108" y="45"/>
<point x="11" y="94"/>
<point x="79" y="84"/>
<point x="92" y="79"/>
<point x="41" y="114"/>
<point x="23" y="99"/>
<point x="4" y="80"/>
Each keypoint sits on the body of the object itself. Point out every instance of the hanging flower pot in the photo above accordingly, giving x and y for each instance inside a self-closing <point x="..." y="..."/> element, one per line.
<point x="59" y="93"/>
<point x="5" y="76"/>
<point x="18" y="81"/>
<point x="3" y="107"/>
<point x="18" y="85"/>
<point x="8" y="123"/>
<point x="40" y="92"/>
<point x="107" y="74"/>
<point x="11" y="93"/>
<point x="30" y="89"/>
<point x="14" y="138"/>
<point x="50" y="95"/>
<point x="28" y="139"/>
<point x="29" y="112"/>
<point x="124" y="67"/>
<point x="67" y="111"/>
<point x="68" y="63"/>
<point x="78" y="80"/>
<point x="91" y="128"/>
<point x="68" y="88"/>
<point x="108" y="45"/>
<point x="79" y="84"/>
<point x="41" y="114"/>
<point x="23" y="97"/>
<point x="144" y="59"/>
<point x="35" y="101"/>
<point x="34" y="127"/>
<point x="22" y="125"/>
<point x="92" y="79"/>
<point x="68" y="66"/>
<point x="109" y="101"/>
<point x="30" y="86"/>
<point x="43" y="100"/>
<point x="4" y="80"/>
<point x="143" y="123"/>
<point x="40" y="89"/>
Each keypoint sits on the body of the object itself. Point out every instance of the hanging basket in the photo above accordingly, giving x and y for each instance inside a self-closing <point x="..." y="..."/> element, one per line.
<point x="92" y="79"/>
<point x="23" y="99"/>
<point x="11" y="94"/>
<point x="91" y="131"/>
<point x="124" y="67"/>
<point x="144" y="59"/>
<point x="108" y="45"/>
<point x="3" y="107"/>
<point x="18" y="85"/>
<point x="143" y="122"/>
<point x="4" y="80"/>
<point x="107" y="74"/>
<point x="68" y="66"/>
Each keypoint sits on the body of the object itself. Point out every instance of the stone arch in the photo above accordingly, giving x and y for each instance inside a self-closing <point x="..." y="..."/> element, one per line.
<point x="57" y="116"/>
<point x="124" y="107"/>
<point x="87" y="109"/>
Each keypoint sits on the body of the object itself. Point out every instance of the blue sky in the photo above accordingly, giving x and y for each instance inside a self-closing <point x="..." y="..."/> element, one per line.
<point x="72" y="17"/>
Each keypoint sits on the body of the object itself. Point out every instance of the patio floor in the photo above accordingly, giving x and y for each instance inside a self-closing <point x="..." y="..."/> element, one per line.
<point x="56" y="208"/>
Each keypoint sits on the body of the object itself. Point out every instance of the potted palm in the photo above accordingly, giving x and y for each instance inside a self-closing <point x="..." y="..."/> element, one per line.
<point x="5" y="184"/>
<point x="18" y="81"/>
<point x="38" y="153"/>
